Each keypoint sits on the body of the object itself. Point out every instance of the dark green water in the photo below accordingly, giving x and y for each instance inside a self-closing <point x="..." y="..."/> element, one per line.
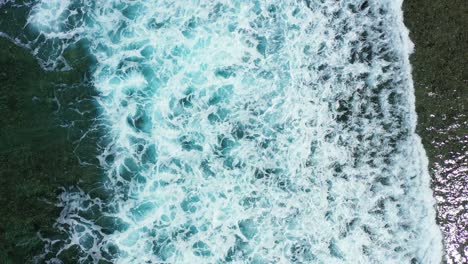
<point x="41" y="145"/>
<point x="440" y="74"/>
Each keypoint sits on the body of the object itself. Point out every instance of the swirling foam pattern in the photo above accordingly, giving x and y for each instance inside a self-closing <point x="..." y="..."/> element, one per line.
<point x="248" y="132"/>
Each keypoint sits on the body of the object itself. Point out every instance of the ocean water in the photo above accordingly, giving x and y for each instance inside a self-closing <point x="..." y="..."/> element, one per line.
<point x="245" y="132"/>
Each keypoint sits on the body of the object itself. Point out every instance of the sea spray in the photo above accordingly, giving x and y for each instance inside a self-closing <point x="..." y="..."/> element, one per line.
<point x="247" y="132"/>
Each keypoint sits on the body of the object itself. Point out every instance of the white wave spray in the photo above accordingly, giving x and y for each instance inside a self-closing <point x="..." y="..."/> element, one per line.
<point x="248" y="132"/>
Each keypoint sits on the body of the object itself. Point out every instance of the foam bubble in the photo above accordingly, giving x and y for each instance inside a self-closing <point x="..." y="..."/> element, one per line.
<point x="251" y="133"/>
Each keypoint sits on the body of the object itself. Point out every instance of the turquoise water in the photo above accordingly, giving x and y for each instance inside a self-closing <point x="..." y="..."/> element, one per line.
<point x="245" y="132"/>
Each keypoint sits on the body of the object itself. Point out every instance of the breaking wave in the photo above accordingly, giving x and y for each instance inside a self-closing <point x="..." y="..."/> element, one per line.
<point x="246" y="132"/>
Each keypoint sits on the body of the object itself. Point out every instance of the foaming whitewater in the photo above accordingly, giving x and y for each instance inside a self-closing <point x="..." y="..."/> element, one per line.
<point x="247" y="132"/>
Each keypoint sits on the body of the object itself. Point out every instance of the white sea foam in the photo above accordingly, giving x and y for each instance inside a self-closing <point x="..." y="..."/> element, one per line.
<point x="250" y="132"/>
